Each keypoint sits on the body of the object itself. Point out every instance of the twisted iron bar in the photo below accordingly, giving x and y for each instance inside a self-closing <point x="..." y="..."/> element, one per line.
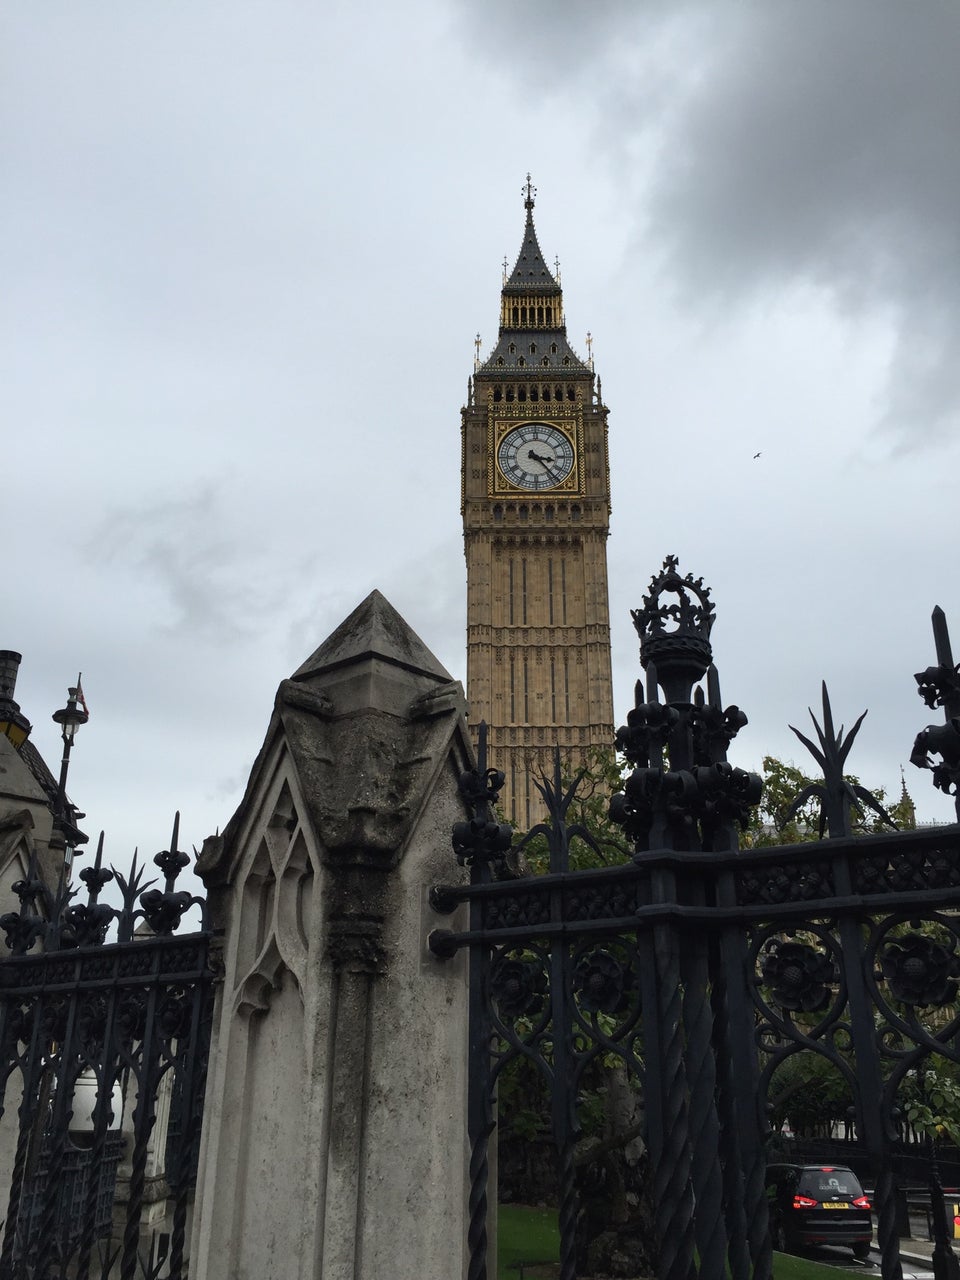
<point x="673" y="1191"/>
<point x="704" y="1123"/>
<point x="477" y="1205"/>
<point x="26" y="1116"/>
<point x="62" y="1110"/>
<point x="568" y="1212"/>
<point x="143" y="1121"/>
<point x="884" y="1199"/>
<point x="732" y="1169"/>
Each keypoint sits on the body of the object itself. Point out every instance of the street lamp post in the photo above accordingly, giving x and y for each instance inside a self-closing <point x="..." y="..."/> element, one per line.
<point x="69" y="718"/>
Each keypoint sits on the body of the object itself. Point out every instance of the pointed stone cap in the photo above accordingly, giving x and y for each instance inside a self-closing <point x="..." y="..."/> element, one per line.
<point x="372" y="660"/>
<point x="373" y="630"/>
<point x="368" y="723"/>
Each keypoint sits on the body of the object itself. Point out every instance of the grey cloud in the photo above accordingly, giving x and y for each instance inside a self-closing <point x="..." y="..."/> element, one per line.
<point x="191" y="549"/>
<point x="819" y="151"/>
<point x="806" y="146"/>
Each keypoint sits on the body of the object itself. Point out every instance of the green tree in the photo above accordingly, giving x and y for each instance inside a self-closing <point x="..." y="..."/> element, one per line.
<point x="600" y="774"/>
<point x="777" y="820"/>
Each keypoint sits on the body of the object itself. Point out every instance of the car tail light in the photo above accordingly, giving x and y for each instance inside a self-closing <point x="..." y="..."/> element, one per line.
<point x="861" y="1203"/>
<point x="804" y="1202"/>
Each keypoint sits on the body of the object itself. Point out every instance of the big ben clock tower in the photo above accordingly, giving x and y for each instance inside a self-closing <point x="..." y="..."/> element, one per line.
<point x="536" y="512"/>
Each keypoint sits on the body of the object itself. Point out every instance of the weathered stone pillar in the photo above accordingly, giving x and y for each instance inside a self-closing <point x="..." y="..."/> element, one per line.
<point x="333" y="1144"/>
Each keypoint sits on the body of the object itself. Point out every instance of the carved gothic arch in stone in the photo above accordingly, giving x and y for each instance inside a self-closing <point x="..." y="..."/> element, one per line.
<point x="276" y="904"/>
<point x="264" y="978"/>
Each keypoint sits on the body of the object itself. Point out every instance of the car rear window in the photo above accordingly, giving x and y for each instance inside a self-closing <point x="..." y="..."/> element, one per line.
<point x="830" y="1183"/>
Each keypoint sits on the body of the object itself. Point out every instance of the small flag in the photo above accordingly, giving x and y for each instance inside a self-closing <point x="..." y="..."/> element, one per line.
<point x="81" y="699"/>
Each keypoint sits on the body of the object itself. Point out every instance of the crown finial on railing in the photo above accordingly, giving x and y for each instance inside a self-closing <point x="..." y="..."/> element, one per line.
<point x="682" y="793"/>
<point x="675" y="636"/>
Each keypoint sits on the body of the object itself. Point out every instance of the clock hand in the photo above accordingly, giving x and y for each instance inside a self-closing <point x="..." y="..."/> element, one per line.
<point x="538" y="457"/>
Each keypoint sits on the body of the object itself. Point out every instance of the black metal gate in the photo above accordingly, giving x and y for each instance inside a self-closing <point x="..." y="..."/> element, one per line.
<point x="707" y="969"/>
<point x="95" y="1037"/>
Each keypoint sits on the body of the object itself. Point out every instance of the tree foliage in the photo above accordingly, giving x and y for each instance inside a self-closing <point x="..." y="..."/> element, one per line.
<point x="776" y="821"/>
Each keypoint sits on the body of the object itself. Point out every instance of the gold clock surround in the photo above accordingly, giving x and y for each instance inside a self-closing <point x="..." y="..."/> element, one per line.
<point x="500" y="426"/>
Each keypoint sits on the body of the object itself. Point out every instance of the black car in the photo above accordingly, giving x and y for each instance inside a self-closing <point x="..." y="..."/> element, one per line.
<point x="818" y="1204"/>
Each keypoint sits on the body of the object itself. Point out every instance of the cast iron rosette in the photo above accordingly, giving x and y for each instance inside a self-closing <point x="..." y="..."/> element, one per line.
<point x="800" y="976"/>
<point x="518" y="987"/>
<point x="601" y="983"/>
<point x="920" y="971"/>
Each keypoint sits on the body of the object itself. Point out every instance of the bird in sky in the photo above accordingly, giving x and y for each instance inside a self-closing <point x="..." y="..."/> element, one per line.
<point x="757" y="455"/>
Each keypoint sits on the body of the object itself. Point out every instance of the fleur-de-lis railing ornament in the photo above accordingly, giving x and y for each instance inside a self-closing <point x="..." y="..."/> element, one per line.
<point x="481" y="839"/>
<point x="22" y="928"/>
<point x="163" y="909"/>
<point x="85" y="924"/>
<point x="838" y="797"/>
<point x="939" y="686"/>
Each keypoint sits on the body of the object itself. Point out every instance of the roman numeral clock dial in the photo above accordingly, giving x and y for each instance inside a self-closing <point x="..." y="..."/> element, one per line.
<point x="536" y="455"/>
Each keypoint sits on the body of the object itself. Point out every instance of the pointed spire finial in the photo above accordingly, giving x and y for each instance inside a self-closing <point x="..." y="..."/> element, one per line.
<point x="589" y="348"/>
<point x="530" y="192"/>
<point x="476" y="357"/>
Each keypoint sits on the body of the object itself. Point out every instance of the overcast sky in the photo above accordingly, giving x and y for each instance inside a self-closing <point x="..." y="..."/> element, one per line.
<point x="245" y="249"/>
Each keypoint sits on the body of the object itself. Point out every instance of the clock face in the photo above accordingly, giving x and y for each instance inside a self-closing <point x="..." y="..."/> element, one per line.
<point x="535" y="455"/>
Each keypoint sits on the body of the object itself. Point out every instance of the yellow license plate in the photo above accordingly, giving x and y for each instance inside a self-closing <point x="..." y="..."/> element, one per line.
<point x="834" y="1204"/>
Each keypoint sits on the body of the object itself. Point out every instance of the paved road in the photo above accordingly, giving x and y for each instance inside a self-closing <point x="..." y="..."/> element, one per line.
<point x="847" y="1262"/>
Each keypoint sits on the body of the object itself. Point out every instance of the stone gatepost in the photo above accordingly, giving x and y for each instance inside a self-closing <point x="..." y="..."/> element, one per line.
<point x="333" y="1134"/>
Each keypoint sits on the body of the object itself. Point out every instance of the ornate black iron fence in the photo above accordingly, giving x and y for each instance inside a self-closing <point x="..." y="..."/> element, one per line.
<point x="95" y="1038"/>
<point x="707" y="969"/>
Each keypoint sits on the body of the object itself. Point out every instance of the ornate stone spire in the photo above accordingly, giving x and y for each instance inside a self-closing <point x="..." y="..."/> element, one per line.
<point x="531" y="313"/>
<point x="531" y="273"/>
